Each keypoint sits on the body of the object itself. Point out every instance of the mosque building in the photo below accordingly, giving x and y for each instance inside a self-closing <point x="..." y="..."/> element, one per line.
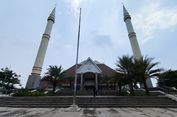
<point x="90" y="73"/>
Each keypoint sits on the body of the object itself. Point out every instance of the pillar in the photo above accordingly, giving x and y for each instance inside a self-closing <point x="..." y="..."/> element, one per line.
<point x="81" y="82"/>
<point x="96" y="81"/>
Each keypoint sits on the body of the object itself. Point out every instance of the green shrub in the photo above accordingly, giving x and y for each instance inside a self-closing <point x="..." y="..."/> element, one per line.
<point x="25" y="92"/>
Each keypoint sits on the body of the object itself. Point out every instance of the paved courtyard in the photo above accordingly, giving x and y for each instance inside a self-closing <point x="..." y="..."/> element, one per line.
<point x="88" y="112"/>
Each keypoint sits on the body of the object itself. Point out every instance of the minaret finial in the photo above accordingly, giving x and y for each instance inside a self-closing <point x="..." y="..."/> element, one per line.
<point x="122" y="3"/>
<point x="52" y="15"/>
<point x="125" y="13"/>
<point x="53" y="11"/>
<point x="55" y="5"/>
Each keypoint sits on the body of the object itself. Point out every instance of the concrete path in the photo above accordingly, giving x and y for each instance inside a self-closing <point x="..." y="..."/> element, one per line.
<point x="88" y="112"/>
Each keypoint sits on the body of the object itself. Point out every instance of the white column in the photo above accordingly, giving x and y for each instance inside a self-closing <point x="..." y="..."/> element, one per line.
<point x="96" y="81"/>
<point x="132" y="35"/>
<point x="43" y="45"/>
<point x="81" y="82"/>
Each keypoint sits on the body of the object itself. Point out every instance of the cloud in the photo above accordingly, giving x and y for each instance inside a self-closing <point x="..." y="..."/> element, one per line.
<point x="74" y="5"/>
<point x="102" y="40"/>
<point x="154" y="17"/>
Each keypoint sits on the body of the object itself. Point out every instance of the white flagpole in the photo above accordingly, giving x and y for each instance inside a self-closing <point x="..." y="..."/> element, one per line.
<point x="77" y="54"/>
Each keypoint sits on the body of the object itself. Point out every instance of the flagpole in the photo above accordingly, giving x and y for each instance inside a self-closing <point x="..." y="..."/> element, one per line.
<point x="77" y="54"/>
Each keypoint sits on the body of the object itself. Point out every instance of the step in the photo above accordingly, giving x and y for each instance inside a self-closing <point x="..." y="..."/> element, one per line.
<point x="97" y="102"/>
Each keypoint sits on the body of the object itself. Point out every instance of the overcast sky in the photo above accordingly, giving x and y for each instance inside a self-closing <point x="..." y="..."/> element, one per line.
<point x="103" y="32"/>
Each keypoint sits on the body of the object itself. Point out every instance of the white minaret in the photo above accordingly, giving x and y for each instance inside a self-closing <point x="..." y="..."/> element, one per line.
<point x="34" y="79"/>
<point x="131" y="34"/>
<point x="133" y="40"/>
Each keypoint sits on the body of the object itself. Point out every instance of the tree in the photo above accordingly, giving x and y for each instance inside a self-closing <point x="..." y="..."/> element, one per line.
<point x="144" y="69"/>
<point x="53" y="75"/>
<point x="168" y="79"/>
<point x="125" y="67"/>
<point x="119" y="78"/>
<point x="137" y="70"/>
<point x="8" y="79"/>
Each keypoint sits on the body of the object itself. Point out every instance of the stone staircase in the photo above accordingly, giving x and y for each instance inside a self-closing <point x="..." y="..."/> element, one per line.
<point x="88" y="102"/>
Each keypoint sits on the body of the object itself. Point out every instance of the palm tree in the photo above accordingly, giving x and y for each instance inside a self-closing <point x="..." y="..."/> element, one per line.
<point x="144" y="69"/>
<point x="54" y="74"/>
<point x="137" y="70"/>
<point x="119" y="78"/>
<point x="125" y="67"/>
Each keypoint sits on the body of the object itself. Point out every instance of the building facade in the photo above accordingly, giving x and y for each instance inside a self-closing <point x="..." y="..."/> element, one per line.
<point x="90" y="75"/>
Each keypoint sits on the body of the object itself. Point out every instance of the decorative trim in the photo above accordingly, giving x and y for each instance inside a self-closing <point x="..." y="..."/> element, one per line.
<point x="35" y="74"/>
<point x="36" y="70"/>
<point x="127" y="17"/>
<point x="52" y="18"/>
<point x="46" y="36"/>
<point x="36" y="67"/>
<point x="132" y="34"/>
